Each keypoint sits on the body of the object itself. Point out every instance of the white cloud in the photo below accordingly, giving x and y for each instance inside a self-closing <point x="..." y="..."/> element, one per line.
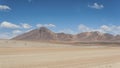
<point x="112" y="29"/>
<point x="14" y="29"/>
<point x="4" y="7"/>
<point x="96" y="6"/>
<point x="84" y="28"/>
<point x="5" y="35"/>
<point x="10" y="34"/>
<point x="68" y="31"/>
<point x="105" y="28"/>
<point x="17" y="32"/>
<point x="39" y="25"/>
<point x="6" y="24"/>
<point x="26" y="26"/>
<point x="45" y="25"/>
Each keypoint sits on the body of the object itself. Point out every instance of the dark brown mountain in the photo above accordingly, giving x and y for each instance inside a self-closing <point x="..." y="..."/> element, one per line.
<point x="64" y="37"/>
<point x="94" y="36"/>
<point x="44" y="34"/>
<point x="116" y="38"/>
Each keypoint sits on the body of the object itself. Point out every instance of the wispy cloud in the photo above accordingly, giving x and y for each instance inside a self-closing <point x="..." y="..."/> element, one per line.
<point x="84" y="28"/>
<point x="96" y="6"/>
<point x="10" y="25"/>
<point x="16" y="31"/>
<point x="6" y="24"/>
<point x="68" y="31"/>
<point x="46" y="25"/>
<point x="4" y="36"/>
<point x="26" y="26"/>
<point x="9" y="35"/>
<point x="112" y="29"/>
<point x="4" y="7"/>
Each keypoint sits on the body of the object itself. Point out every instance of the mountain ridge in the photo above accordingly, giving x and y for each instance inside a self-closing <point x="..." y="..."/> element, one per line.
<point x="44" y="34"/>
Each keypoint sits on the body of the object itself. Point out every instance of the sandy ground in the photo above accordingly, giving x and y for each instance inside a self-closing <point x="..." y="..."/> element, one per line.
<point x="20" y="54"/>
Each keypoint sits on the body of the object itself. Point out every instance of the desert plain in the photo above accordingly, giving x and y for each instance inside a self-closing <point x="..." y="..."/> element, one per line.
<point x="28" y="54"/>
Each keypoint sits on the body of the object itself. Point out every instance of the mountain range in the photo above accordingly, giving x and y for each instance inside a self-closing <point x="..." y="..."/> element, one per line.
<point x="44" y="34"/>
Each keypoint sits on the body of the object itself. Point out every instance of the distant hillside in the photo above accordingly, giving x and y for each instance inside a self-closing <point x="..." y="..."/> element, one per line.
<point x="44" y="34"/>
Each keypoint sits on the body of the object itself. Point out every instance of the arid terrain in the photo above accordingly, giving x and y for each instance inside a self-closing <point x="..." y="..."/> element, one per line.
<point x="25" y="54"/>
<point x="59" y="34"/>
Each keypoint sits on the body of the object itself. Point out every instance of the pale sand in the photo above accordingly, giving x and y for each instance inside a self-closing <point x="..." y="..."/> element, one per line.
<point x="17" y="54"/>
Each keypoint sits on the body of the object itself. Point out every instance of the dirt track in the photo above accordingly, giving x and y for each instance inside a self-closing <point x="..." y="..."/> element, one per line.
<point x="59" y="57"/>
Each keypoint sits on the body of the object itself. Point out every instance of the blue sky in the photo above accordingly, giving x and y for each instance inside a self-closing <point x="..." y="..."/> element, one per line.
<point x="69" y="16"/>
